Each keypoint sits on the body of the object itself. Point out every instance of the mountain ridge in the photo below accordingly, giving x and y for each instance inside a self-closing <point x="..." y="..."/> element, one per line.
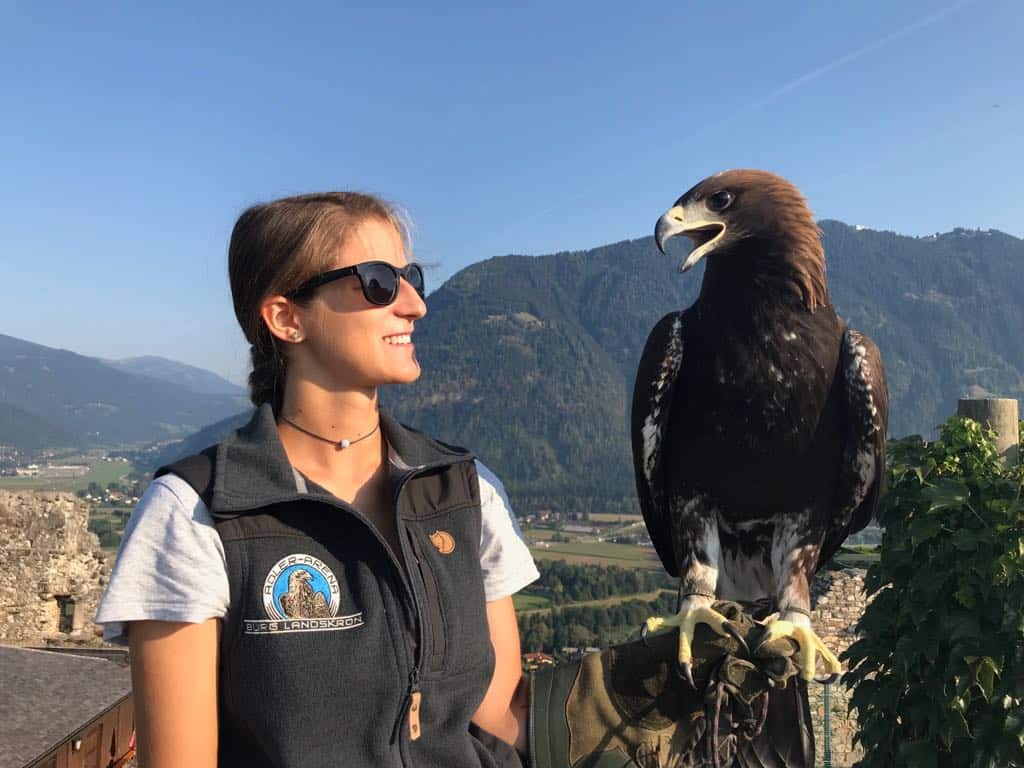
<point x="172" y="371"/>
<point x="94" y="403"/>
<point x="530" y="360"/>
<point x="941" y="308"/>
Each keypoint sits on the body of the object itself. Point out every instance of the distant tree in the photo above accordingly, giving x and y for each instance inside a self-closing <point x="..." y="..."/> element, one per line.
<point x="580" y="635"/>
<point x="100" y="526"/>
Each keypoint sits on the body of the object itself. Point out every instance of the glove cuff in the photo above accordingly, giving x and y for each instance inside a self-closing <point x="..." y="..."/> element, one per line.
<point x="548" y="729"/>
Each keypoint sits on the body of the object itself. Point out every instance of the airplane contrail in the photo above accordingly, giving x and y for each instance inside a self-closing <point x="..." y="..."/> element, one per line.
<point x="814" y="74"/>
<point x="773" y="96"/>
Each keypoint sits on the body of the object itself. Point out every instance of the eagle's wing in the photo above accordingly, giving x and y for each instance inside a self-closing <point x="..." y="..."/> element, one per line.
<point x="653" y="392"/>
<point x="286" y="605"/>
<point x="862" y="473"/>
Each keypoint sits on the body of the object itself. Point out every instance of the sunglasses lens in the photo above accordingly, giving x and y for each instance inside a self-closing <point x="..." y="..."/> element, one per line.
<point x="380" y="283"/>
<point x="414" y="274"/>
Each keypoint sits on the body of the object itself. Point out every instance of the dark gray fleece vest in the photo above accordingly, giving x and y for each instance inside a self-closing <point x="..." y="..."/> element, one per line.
<point x="331" y="653"/>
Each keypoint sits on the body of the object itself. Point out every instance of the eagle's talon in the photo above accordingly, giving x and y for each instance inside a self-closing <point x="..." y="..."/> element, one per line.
<point x="808" y="648"/>
<point x="734" y="633"/>
<point x="652" y="624"/>
<point x="686" y="621"/>
<point x="684" y="670"/>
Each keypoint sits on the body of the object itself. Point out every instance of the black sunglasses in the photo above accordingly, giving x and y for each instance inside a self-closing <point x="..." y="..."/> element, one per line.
<point x="378" y="279"/>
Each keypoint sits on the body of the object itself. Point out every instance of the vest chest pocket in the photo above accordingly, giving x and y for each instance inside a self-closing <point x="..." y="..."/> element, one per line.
<point x="447" y="552"/>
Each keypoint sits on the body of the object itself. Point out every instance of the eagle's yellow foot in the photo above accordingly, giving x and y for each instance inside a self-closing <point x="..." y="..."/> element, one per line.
<point x="809" y="648"/>
<point x="687" y="621"/>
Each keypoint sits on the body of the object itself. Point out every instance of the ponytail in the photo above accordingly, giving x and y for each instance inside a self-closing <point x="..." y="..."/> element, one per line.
<point x="266" y="380"/>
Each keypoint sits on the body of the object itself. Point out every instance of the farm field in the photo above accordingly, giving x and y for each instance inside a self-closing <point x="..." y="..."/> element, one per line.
<point x="539" y="534"/>
<point x="535" y="603"/>
<point x="599" y="553"/>
<point x="101" y="472"/>
<point x="614" y="517"/>
<point x="525" y="602"/>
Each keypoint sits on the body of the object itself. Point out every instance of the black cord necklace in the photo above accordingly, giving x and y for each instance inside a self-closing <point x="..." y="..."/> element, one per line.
<point x="338" y="444"/>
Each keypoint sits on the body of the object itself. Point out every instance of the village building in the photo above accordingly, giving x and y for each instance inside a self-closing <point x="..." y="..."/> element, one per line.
<point x="67" y="700"/>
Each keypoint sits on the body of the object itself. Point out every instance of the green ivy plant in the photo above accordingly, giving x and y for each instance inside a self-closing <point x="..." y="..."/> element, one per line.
<point x="937" y="677"/>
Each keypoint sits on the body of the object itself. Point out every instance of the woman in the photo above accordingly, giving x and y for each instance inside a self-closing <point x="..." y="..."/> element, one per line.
<point x="326" y="587"/>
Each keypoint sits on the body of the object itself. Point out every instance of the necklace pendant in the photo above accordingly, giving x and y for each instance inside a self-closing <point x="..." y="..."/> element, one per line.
<point x="343" y="444"/>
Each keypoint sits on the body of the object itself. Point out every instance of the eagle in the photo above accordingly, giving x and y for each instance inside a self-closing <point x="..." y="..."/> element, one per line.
<point x="759" y="416"/>
<point x="301" y="601"/>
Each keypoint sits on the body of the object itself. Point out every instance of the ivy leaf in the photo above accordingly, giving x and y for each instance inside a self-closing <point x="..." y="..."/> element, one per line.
<point x="965" y="596"/>
<point x="946" y="494"/>
<point x="985" y="675"/>
<point x="1014" y="728"/>
<point x="967" y="540"/>
<point x="924" y="528"/>
<point x="921" y="752"/>
<point x="964" y="627"/>
<point x="956" y="728"/>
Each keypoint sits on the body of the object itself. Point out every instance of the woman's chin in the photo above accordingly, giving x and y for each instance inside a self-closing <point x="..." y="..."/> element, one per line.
<point x="406" y="376"/>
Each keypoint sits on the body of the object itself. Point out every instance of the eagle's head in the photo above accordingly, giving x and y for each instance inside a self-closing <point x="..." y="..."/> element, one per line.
<point x="297" y="578"/>
<point x="738" y="208"/>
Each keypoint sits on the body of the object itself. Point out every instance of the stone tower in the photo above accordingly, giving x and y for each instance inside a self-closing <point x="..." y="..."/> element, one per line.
<point x="52" y="570"/>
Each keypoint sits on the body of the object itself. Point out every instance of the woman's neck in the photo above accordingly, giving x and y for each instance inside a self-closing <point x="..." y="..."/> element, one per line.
<point x="335" y="417"/>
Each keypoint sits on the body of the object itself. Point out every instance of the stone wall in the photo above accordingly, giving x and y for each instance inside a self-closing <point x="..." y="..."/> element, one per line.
<point x="837" y="601"/>
<point x="46" y="552"/>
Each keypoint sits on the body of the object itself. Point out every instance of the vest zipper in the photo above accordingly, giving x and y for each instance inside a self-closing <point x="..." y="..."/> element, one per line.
<point x="414" y="697"/>
<point x="412" y="701"/>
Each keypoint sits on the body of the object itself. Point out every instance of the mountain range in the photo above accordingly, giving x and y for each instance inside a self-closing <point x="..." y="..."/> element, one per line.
<point x="530" y="361"/>
<point x="53" y="397"/>
<point x="188" y="376"/>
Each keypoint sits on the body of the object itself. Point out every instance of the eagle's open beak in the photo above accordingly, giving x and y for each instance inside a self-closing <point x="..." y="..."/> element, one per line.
<point x="701" y="231"/>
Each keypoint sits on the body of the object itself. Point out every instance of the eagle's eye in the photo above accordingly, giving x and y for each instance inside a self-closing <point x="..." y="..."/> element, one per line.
<point x="721" y="200"/>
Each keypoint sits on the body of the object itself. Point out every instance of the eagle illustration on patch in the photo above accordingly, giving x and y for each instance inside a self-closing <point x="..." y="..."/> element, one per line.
<point x="301" y="594"/>
<point x="302" y="591"/>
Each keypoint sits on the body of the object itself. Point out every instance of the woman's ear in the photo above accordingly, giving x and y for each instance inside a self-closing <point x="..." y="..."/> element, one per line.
<point x="282" y="319"/>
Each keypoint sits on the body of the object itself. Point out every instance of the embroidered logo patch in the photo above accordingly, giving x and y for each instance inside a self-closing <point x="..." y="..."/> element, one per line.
<point x="301" y="594"/>
<point x="443" y="542"/>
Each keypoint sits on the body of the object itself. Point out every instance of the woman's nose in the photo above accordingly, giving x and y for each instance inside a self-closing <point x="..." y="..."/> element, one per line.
<point x="409" y="303"/>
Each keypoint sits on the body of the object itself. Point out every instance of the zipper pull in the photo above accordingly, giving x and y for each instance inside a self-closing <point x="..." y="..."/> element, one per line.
<point x="411" y="707"/>
<point x="415" y="701"/>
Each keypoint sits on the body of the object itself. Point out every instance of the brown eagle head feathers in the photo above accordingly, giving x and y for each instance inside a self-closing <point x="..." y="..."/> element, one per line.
<point x="751" y="220"/>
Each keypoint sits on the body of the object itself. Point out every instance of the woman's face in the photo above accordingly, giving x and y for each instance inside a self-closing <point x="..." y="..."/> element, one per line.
<point x="351" y="343"/>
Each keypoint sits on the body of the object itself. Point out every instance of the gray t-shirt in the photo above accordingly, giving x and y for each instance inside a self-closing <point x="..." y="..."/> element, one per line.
<point x="171" y="564"/>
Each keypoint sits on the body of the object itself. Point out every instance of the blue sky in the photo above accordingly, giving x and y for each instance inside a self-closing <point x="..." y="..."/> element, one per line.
<point x="132" y="135"/>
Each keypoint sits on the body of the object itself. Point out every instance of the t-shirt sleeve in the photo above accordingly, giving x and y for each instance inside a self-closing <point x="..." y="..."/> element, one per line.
<point x="504" y="557"/>
<point x="170" y="566"/>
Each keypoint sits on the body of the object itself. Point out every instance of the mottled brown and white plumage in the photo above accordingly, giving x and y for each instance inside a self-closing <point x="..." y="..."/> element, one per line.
<point x="759" y="417"/>
<point x="301" y="601"/>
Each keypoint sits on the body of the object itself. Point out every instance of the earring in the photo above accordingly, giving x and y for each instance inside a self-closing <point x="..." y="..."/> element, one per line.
<point x="295" y="336"/>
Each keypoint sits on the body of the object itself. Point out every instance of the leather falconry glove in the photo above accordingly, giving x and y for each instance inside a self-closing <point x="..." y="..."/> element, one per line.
<point x="628" y="707"/>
